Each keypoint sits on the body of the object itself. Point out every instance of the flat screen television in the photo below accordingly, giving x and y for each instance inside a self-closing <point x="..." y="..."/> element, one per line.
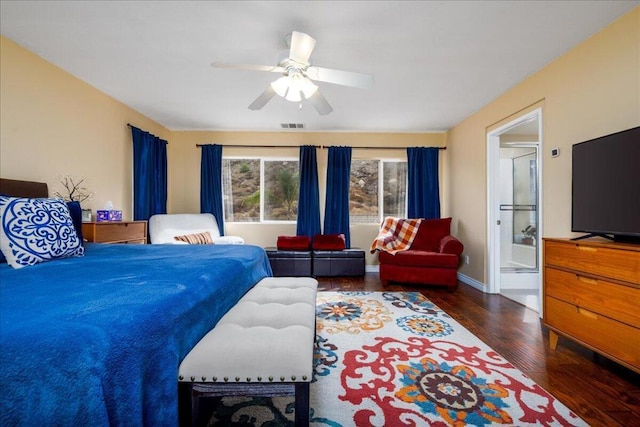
<point x="606" y="186"/>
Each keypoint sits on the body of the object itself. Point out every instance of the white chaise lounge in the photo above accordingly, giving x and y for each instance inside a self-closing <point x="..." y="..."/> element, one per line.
<point x="163" y="228"/>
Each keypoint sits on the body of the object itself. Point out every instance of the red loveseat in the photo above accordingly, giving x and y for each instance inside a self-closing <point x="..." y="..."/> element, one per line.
<point x="433" y="257"/>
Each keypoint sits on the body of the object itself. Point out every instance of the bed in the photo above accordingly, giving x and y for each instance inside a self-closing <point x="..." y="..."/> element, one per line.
<point x="97" y="339"/>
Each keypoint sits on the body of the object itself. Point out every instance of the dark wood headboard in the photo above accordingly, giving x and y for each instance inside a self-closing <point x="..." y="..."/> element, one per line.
<point x="16" y="188"/>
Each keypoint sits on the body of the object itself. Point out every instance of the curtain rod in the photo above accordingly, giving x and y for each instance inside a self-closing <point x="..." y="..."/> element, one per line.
<point x="316" y="146"/>
<point x="322" y="147"/>
<point x="130" y="126"/>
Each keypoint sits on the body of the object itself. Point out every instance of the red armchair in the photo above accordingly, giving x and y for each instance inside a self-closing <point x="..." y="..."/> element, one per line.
<point x="432" y="258"/>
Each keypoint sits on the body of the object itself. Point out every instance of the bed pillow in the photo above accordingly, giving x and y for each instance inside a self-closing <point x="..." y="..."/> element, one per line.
<point x="196" y="238"/>
<point x="329" y="242"/>
<point x="293" y="243"/>
<point x="36" y="230"/>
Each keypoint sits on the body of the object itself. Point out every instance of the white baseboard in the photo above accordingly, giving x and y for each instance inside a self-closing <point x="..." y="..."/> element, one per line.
<point x="372" y="268"/>
<point x="472" y="282"/>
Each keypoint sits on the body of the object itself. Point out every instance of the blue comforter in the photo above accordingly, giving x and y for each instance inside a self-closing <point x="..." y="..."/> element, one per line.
<point x="97" y="340"/>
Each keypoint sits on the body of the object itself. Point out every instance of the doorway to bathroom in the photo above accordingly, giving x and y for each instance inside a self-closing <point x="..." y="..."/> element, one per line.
<point x="514" y="191"/>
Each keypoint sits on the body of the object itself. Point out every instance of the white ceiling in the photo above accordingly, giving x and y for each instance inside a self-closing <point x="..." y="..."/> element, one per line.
<point x="434" y="62"/>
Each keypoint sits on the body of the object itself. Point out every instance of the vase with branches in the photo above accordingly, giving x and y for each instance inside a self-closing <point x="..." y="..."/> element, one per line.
<point x="73" y="189"/>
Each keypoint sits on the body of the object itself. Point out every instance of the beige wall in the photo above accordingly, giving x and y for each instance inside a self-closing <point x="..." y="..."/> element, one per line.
<point x="591" y="91"/>
<point x="184" y="167"/>
<point x="52" y="123"/>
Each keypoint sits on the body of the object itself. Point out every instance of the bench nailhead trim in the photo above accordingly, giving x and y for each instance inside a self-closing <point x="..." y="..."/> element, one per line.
<point x="226" y="379"/>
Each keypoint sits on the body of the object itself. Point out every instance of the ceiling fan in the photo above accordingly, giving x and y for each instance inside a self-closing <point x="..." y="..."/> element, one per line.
<point x="296" y="84"/>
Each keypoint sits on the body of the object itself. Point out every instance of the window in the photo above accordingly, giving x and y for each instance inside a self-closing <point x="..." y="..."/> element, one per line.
<point x="256" y="190"/>
<point x="280" y="190"/>
<point x="363" y="192"/>
<point x="241" y="190"/>
<point x="394" y="189"/>
<point x="378" y="189"/>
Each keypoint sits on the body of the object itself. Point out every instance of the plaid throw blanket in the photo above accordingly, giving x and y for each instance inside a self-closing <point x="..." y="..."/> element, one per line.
<point x="396" y="235"/>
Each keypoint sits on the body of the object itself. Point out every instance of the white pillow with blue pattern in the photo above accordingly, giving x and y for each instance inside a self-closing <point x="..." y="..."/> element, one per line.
<point x="36" y="230"/>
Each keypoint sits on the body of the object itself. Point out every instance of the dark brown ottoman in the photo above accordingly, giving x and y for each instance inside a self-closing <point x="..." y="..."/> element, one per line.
<point x="347" y="262"/>
<point x="286" y="263"/>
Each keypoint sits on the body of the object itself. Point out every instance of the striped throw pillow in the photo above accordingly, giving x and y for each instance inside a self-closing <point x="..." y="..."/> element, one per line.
<point x="196" y="239"/>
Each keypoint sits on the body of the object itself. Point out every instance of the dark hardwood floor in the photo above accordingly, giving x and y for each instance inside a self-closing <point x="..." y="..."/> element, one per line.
<point x="602" y="392"/>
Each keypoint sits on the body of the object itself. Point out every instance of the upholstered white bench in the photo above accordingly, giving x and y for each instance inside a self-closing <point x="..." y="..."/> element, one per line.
<point x="262" y="347"/>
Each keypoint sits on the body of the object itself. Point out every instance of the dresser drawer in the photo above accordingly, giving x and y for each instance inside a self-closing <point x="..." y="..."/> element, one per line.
<point x="597" y="295"/>
<point x="137" y="242"/>
<point x="594" y="259"/>
<point x="607" y="336"/>
<point x="116" y="232"/>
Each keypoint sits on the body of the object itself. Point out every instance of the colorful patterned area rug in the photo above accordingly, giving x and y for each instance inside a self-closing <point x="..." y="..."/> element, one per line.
<point x="396" y="359"/>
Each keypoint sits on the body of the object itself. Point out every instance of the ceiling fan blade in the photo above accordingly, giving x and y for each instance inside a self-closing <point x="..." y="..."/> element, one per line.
<point x="339" y="77"/>
<point x="301" y="47"/>
<point x="269" y="68"/>
<point x="263" y="99"/>
<point x="320" y="103"/>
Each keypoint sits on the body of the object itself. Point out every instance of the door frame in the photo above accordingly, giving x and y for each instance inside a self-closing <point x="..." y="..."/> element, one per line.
<point x="493" y="198"/>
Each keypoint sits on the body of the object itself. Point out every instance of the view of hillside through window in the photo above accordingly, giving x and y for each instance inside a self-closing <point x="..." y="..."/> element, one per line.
<point x="241" y="190"/>
<point x="363" y="192"/>
<point x="394" y="189"/>
<point x="365" y="195"/>
<point x="281" y="190"/>
<point x="243" y="201"/>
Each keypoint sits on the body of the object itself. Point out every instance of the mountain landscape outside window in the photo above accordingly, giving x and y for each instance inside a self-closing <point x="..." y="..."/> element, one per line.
<point x="256" y="190"/>
<point x="377" y="186"/>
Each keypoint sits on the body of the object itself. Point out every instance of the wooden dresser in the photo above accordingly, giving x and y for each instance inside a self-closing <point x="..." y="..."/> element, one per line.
<point x="115" y="232"/>
<point x="592" y="296"/>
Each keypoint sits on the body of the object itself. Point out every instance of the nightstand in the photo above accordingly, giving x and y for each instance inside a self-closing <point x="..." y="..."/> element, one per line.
<point x="115" y="232"/>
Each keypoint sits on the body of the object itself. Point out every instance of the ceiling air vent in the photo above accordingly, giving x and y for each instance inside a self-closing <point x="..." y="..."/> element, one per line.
<point x="292" y="125"/>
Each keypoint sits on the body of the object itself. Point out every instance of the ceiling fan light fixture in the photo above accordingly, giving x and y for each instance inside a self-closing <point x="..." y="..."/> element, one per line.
<point x="297" y="76"/>
<point x="294" y="87"/>
<point x="281" y="86"/>
<point x="293" y="95"/>
<point x="308" y="88"/>
<point x="300" y="88"/>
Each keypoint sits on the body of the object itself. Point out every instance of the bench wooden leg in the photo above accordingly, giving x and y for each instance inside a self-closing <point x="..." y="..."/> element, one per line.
<point x="302" y="404"/>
